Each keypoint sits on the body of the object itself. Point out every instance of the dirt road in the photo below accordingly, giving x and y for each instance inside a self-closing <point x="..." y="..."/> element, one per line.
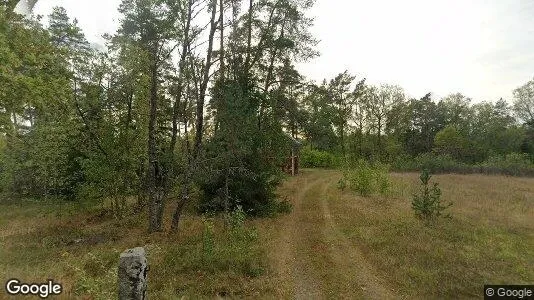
<point x="313" y="254"/>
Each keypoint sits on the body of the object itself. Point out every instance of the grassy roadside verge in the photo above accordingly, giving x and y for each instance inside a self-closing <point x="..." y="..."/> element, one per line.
<point x="488" y="241"/>
<point x="39" y="241"/>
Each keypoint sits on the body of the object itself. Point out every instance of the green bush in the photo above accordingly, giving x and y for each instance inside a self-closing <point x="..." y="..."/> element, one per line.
<point x="515" y="164"/>
<point x="310" y="158"/>
<point x="383" y="182"/>
<point x="432" y="162"/>
<point x="427" y="203"/>
<point x="366" y="179"/>
<point x="237" y="218"/>
<point x="342" y="184"/>
<point x="208" y="239"/>
<point x="361" y="179"/>
<point x="439" y="163"/>
<point x="285" y="207"/>
<point x="253" y="191"/>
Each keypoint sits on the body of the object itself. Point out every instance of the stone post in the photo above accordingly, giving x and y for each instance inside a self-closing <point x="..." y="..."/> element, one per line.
<point x="133" y="269"/>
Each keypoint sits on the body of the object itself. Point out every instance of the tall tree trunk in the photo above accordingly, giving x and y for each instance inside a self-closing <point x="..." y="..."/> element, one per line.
<point x="226" y="193"/>
<point x="263" y="37"/>
<point x="199" y="120"/>
<point x="268" y="78"/>
<point x="221" y="50"/>
<point x="266" y="86"/>
<point x="141" y="189"/>
<point x="342" y="133"/>
<point x="379" y="137"/>
<point x="204" y="83"/>
<point x="15" y="123"/>
<point x="129" y="114"/>
<point x="154" y="192"/>
<point x="182" y="63"/>
<point x="361" y="137"/>
<point x="181" y="70"/>
<point x="184" y="199"/>
<point x="249" y="34"/>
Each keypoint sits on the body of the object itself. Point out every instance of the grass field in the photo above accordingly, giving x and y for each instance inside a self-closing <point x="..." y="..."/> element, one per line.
<point x="334" y="244"/>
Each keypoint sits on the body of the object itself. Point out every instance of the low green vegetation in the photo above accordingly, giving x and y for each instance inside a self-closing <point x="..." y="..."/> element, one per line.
<point x="366" y="179"/>
<point x="426" y="203"/>
<point x="211" y="256"/>
<point x="514" y="164"/>
<point x="313" y="158"/>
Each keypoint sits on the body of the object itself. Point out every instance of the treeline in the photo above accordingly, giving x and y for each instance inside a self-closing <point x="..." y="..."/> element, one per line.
<point x="199" y="101"/>
<point x="348" y="120"/>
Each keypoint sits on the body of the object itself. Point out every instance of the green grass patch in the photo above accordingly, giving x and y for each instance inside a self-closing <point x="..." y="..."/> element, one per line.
<point x="81" y="250"/>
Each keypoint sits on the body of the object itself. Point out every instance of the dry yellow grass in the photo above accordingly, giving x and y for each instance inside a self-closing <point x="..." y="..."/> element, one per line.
<point x="489" y="239"/>
<point x="333" y="245"/>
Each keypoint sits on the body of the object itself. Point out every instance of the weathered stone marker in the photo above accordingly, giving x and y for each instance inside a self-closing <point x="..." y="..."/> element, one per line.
<point x="133" y="269"/>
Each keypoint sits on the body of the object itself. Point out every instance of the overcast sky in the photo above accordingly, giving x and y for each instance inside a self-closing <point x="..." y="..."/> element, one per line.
<point x="481" y="48"/>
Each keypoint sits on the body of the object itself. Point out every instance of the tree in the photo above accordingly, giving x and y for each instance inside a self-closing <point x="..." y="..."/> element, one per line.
<point x="398" y="128"/>
<point x="495" y="130"/>
<point x="319" y="129"/>
<point x="149" y="26"/>
<point x="340" y="93"/>
<point x="240" y="171"/>
<point x="427" y="204"/>
<point x="425" y="122"/>
<point x="203" y="86"/>
<point x="450" y="141"/>
<point x="360" y="115"/>
<point x="40" y="159"/>
<point x="456" y="110"/>
<point x="272" y="31"/>
<point x="260" y="85"/>
<point x="378" y="103"/>
<point x="524" y="102"/>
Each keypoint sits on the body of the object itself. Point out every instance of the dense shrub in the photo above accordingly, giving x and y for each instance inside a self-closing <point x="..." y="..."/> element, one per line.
<point x="382" y="180"/>
<point x="366" y="179"/>
<point x="253" y="192"/>
<point x="310" y="158"/>
<point x="284" y="207"/>
<point x="514" y="164"/>
<point x="432" y="162"/>
<point x="360" y="179"/>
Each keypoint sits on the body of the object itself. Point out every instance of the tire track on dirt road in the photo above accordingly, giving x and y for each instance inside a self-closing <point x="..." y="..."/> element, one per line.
<point x="311" y="253"/>
<point x="292" y="263"/>
<point x="357" y="271"/>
